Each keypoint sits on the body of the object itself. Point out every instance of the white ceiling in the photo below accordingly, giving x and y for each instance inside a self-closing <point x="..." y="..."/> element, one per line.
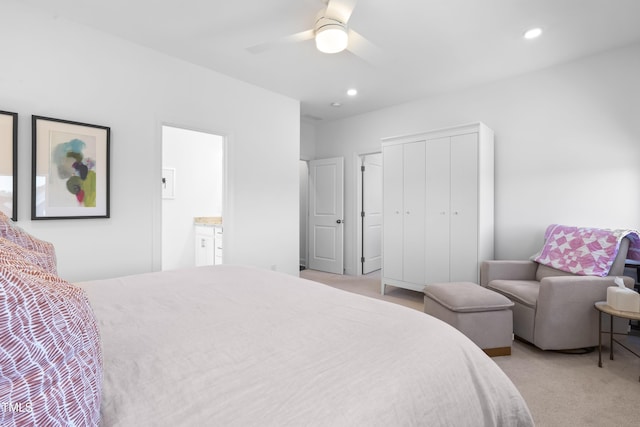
<point x="424" y="46"/>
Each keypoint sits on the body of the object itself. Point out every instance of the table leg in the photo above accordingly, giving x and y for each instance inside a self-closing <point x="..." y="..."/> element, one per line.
<point x="599" y="339"/>
<point x="611" y="338"/>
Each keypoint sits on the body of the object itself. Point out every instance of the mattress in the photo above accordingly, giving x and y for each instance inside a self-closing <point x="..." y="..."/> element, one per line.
<point x="240" y="346"/>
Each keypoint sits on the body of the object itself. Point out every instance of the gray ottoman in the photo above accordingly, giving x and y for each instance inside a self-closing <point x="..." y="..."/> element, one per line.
<point x="482" y="315"/>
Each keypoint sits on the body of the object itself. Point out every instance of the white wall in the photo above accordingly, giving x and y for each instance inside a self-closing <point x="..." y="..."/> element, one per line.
<point x="567" y="146"/>
<point x="307" y="141"/>
<point x="197" y="160"/>
<point x="55" y="68"/>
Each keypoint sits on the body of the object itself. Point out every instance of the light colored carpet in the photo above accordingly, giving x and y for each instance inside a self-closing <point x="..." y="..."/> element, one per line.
<point x="368" y="285"/>
<point x="561" y="389"/>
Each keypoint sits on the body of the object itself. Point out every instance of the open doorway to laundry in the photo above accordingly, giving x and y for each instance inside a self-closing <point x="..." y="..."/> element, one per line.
<point x="192" y="187"/>
<point x="369" y="208"/>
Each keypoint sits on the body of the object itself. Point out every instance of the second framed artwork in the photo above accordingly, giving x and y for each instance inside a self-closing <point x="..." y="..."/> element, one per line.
<point x="70" y="169"/>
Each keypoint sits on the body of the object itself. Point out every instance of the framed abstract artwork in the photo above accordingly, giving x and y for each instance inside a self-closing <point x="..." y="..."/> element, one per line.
<point x="9" y="164"/>
<point x="70" y="169"/>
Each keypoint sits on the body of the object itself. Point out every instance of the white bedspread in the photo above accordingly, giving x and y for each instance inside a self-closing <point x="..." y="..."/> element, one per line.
<point x="238" y="346"/>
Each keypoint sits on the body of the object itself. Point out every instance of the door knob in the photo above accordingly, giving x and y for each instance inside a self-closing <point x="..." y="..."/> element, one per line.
<point x="339" y="221"/>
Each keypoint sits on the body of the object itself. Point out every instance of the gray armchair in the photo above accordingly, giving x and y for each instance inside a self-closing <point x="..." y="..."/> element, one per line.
<point x="553" y="309"/>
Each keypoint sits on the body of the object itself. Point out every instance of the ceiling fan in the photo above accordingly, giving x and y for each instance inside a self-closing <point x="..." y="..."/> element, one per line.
<point x="331" y="33"/>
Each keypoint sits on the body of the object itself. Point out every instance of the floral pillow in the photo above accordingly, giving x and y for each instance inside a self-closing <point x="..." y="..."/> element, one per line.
<point x="50" y="352"/>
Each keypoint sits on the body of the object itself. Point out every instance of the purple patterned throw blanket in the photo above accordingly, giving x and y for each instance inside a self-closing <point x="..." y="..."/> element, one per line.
<point x="585" y="251"/>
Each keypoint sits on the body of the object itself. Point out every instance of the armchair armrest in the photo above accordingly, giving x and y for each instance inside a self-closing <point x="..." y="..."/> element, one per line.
<point x="565" y="314"/>
<point x="565" y="289"/>
<point x="507" y="270"/>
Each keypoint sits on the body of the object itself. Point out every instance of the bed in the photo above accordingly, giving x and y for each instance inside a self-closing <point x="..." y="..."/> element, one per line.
<point x="236" y="346"/>
<point x="239" y="346"/>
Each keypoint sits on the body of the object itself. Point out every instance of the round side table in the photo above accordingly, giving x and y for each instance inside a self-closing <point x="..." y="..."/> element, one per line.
<point x="603" y="307"/>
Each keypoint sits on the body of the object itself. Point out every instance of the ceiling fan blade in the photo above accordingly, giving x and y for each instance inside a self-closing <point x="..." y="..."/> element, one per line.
<point x="363" y="48"/>
<point x="293" y="38"/>
<point x="340" y="9"/>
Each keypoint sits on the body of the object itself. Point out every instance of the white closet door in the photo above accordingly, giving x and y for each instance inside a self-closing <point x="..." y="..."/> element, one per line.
<point x="438" y="210"/>
<point x="464" y="208"/>
<point x="392" y="228"/>
<point x="414" y="210"/>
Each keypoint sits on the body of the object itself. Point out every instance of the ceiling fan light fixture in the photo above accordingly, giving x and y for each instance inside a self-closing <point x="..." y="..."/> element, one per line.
<point x="331" y="36"/>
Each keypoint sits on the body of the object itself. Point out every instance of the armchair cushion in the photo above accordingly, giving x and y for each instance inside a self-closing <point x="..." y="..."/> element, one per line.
<point x="524" y="292"/>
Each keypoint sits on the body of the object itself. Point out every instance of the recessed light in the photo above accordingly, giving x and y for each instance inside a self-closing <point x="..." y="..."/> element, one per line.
<point x="532" y="33"/>
<point x="352" y="92"/>
<point x="336" y="104"/>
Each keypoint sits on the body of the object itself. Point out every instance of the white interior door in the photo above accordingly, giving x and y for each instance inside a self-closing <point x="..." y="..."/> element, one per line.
<point x="326" y="215"/>
<point x="372" y="213"/>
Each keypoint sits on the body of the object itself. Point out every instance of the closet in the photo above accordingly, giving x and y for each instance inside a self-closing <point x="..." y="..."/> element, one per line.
<point x="437" y="206"/>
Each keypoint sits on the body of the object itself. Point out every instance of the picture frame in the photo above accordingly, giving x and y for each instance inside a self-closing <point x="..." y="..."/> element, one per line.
<point x="70" y="169"/>
<point x="9" y="164"/>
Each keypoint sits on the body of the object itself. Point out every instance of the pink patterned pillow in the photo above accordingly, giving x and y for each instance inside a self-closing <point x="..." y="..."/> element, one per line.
<point x="41" y="259"/>
<point x="50" y="355"/>
<point x="17" y="235"/>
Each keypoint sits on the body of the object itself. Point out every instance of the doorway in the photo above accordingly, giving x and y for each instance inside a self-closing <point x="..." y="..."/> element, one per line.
<point x="304" y="211"/>
<point x="192" y="175"/>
